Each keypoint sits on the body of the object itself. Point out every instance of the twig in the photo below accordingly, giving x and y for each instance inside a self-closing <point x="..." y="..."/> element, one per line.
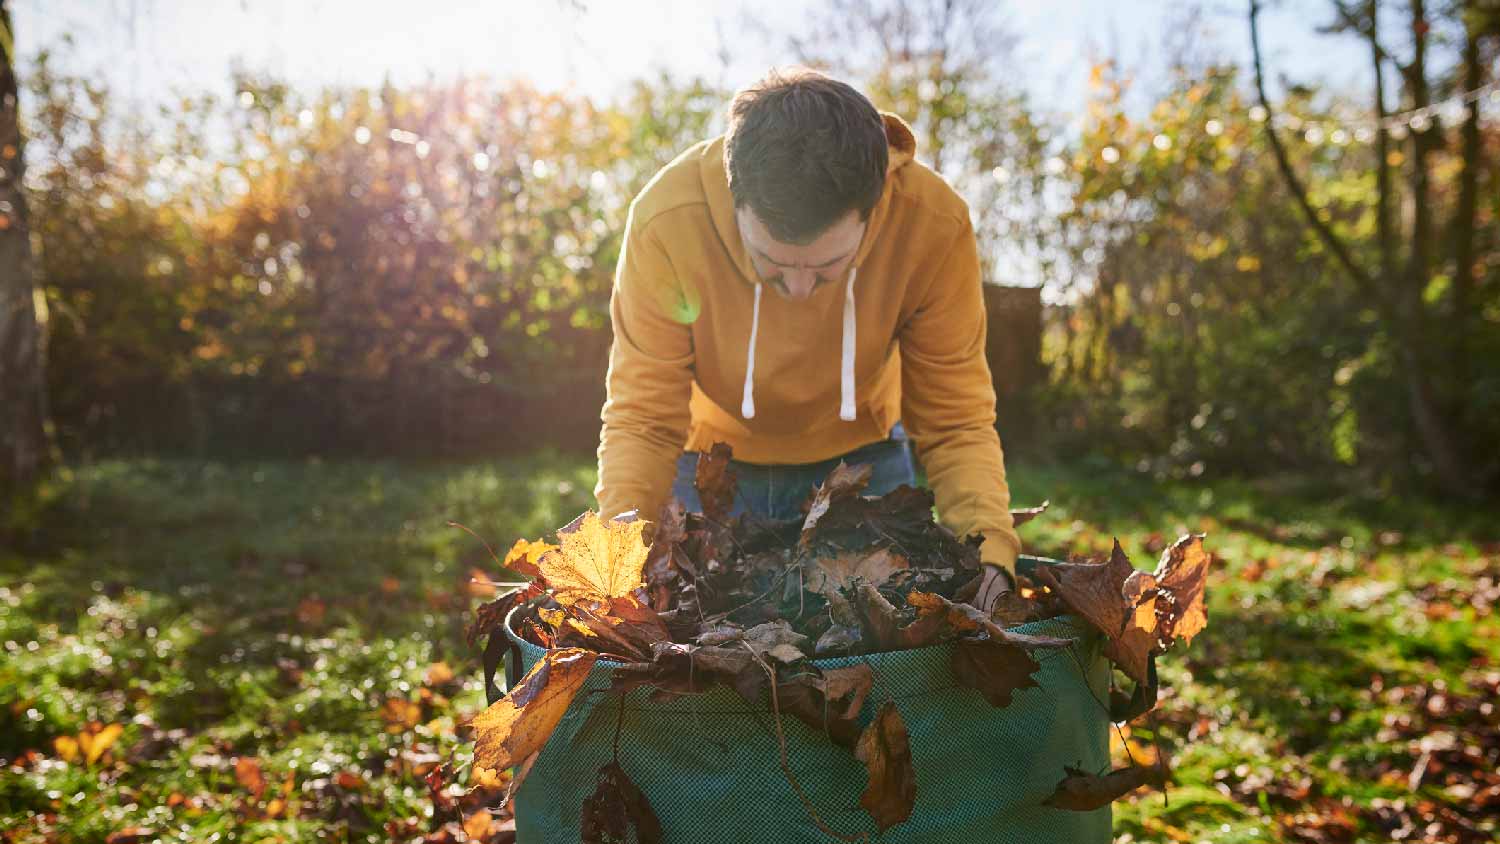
<point x="786" y="768"/>
<point x="619" y="725"/>
<point x="486" y="545"/>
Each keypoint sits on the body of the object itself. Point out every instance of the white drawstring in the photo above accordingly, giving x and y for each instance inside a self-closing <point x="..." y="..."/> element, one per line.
<point x="846" y="374"/>
<point x="747" y="405"/>
<point x="847" y="410"/>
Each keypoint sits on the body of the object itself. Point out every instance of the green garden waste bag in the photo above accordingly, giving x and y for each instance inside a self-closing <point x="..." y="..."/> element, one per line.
<point x="710" y="765"/>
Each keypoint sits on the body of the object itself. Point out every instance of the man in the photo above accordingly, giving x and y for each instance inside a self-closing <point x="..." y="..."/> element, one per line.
<point x="801" y="288"/>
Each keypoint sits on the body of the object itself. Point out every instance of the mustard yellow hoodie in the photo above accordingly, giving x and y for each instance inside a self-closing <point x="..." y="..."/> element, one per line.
<point x="701" y="356"/>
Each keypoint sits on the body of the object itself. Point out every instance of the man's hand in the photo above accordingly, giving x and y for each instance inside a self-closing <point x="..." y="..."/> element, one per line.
<point x="994" y="583"/>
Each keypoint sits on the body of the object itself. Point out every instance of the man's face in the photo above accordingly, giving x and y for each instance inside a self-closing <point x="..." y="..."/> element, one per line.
<point x="795" y="271"/>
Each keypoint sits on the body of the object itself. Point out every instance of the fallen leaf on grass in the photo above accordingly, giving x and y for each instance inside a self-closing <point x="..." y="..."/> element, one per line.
<point x="891" y="793"/>
<point x="617" y="811"/>
<point x="400" y="714"/>
<point x="130" y="835"/>
<point x="517" y="725"/>
<point x="438" y="674"/>
<point x="248" y="774"/>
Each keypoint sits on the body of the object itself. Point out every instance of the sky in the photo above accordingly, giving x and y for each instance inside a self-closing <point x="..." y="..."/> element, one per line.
<point x="149" y="48"/>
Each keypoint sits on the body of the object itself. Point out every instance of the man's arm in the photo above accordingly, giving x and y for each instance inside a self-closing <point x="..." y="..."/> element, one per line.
<point x="645" y="411"/>
<point x="948" y="404"/>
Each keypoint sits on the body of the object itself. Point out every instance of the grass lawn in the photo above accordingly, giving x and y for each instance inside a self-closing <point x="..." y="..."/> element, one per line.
<point x="205" y="651"/>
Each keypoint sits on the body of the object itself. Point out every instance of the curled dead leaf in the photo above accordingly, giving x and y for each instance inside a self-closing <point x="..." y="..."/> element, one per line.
<point x="1180" y="577"/>
<point x="618" y="811"/>
<point x="843" y="482"/>
<point x="716" y="482"/>
<point x="1125" y="614"/>
<point x="885" y="749"/>
<point x="518" y="725"/>
<point x="1080" y="791"/>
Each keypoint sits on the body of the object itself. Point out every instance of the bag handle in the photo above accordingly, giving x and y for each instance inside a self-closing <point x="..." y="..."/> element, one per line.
<point x="494" y="654"/>
<point x="1142" y="700"/>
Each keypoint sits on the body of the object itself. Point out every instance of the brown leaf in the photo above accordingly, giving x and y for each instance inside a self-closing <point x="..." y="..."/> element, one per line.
<point x="995" y="669"/>
<point x="829" y="701"/>
<point x="1098" y="593"/>
<point x="625" y="628"/>
<point x="1022" y="516"/>
<point x="891" y="793"/>
<point x="685" y="669"/>
<point x="596" y="561"/>
<point x="491" y="616"/>
<point x="130" y="835"/>
<point x="843" y="482"/>
<point x="966" y="618"/>
<point x="310" y="611"/>
<point x="776" y="639"/>
<point x="1180" y="575"/>
<point x="618" y="812"/>
<point x="518" y="725"/>
<point x="716" y="482"/>
<point x="248" y="774"/>
<point x="828" y="574"/>
<point x="666" y="562"/>
<point x="1080" y="791"/>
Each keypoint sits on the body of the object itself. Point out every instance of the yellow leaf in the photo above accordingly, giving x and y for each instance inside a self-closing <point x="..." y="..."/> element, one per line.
<point x="66" y="747"/>
<point x="519" y="724"/>
<point x="525" y="555"/>
<point x="596" y="561"/>
<point x="94" y="744"/>
<point x="438" y="673"/>
<point x="477" y="825"/>
<point x="487" y="777"/>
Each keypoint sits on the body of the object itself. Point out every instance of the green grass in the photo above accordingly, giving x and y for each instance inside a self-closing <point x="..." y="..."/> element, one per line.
<point x="269" y="611"/>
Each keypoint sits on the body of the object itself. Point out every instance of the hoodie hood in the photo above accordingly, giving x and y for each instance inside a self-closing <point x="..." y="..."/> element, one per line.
<point x="902" y="147"/>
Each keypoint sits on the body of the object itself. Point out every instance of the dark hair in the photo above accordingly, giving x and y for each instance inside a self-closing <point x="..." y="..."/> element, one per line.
<point x="802" y="150"/>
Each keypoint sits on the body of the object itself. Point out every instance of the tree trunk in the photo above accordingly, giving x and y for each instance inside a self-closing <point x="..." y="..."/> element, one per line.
<point x="1464" y="215"/>
<point x="23" y="440"/>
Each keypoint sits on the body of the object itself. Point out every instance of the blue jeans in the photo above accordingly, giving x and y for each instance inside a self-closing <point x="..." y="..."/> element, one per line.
<point x="778" y="491"/>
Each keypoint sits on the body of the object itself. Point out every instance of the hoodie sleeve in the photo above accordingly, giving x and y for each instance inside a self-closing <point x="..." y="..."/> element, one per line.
<point x="645" y="415"/>
<point x="948" y="404"/>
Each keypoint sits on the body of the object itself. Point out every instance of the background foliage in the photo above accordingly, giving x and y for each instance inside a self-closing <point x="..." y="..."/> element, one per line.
<point x="426" y="270"/>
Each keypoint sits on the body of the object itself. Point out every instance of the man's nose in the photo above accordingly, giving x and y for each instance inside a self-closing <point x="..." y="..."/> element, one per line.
<point x="799" y="283"/>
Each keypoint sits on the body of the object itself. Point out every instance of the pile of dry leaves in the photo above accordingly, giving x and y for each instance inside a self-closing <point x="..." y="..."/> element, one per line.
<point x="748" y="603"/>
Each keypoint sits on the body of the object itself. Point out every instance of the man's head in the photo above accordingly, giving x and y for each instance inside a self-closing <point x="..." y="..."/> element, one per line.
<point x="806" y="157"/>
